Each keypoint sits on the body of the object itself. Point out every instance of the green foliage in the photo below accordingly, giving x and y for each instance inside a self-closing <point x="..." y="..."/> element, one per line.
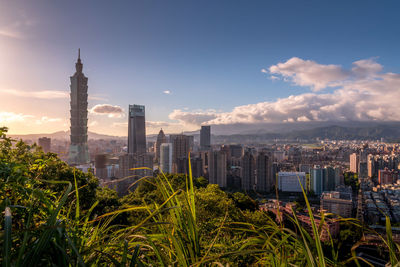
<point x="55" y="215"/>
<point x="351" y="179"/>
<point x="243" y="201"/>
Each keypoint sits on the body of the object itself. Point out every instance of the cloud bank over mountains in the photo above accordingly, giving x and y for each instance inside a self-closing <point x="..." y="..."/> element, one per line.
<point x="362" y="93"/>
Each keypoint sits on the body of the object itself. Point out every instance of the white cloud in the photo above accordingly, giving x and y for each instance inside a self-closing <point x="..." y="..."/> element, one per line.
<point x="46" y="94"/>
<point x="15" y="23"/>
<point x="93" y="123"/>
<point x="11" y="117"/>
<point x="7" y="117"/>
<point x="194" y="117"/>
<point x="6" y="32"/>
<point x="46" y="119"/>
<point x="153" y="127"/>
<point x="309" y="73"/>
<point x="363" y="93"/>
<point x="109" y="110"/>
<point x="167" y="92"/>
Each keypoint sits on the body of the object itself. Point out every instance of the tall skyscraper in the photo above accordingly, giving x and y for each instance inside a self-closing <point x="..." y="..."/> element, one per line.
<point x="45" y="143"/>
<point x="317" y="180"/>
<point x="330" y="177"/>
<point x="264" y="172"/>
<point x="127" y="163"/>
<point x="136" y="130"/>
<point x="166" y="157"/>
<point x="180" y="148"/>
<point x="161" y="139"/>
<point x="78" y="150"/>
<point x="371" y="165"/>
<point x="205" y="138"/>
<point x="248" y="171"/>
<point x="217" y="168"/>
<point x="354" y="162"/>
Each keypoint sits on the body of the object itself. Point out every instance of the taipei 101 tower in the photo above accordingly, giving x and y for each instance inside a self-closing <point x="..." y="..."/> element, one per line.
<point x="78" y="150"/>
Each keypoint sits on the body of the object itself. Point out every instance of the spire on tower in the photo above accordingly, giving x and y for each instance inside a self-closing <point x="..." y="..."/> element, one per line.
<point x="78" y="64"/>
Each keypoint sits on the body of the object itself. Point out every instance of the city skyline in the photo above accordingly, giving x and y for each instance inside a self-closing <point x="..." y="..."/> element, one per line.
<point x="274" y="64"/>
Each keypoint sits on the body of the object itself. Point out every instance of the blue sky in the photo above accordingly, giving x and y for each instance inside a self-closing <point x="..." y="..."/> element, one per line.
<point x="208" y="54"/>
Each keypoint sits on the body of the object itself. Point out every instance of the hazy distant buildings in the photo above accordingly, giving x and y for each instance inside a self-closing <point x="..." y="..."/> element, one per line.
<point x="136" y="130"/>
<point x="387" y="176"/>
<point x="236" y="151"/>
<point x="166" y="157"/>
<point x="161" y="139"/>
<point x="290" y="181"/>
<point x="45" y="143"/>
<point x="78" y="150"/>
<point x="279" y="156"/>
<point x="205" y="138"/>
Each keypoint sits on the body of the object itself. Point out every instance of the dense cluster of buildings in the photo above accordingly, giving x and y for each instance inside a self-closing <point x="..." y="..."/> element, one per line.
<point x="288" y="167"/>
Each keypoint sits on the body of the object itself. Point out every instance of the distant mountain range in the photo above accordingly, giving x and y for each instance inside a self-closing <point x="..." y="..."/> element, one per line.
<point x="390" y="132"/>
<point x="64" y="135"/>
<point x="265" y="132"/>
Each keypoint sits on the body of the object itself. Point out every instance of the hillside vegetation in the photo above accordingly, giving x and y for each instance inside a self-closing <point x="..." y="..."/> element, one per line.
<point x="55" y="215"/>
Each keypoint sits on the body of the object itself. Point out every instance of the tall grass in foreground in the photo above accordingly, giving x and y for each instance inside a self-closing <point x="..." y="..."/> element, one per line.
<point x="169" y="235"/>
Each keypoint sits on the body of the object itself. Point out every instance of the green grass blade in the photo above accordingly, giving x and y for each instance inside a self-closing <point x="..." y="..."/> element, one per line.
<point x="25" y="240"/>
<point x="44" y="239"/>
<point x="321" y="257"/>
<point x="77" y="198"/>
<point x="7" y="237"/>
<point x="135" y="258"/>
<point x="390" y="243"/>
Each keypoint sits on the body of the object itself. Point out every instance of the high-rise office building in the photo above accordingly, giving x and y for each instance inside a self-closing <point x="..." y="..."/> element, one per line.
<point x="236" y="151"/>
<point x="136" y="130"/>
<point x="161" y="139"/>
<point x="317" y="180"/>
<point x="264" y="179"/>
<point x="45" y="143"/>
<point x="205" y="138"/>
<point x="290" y="181"/>
<point x="78" y="150"/>
<point x="248" y="171"/>
<point x="100" y="161"/>
<point x="339" y="178"/>
<point x="180" y="148"/>
<point x="196" y="164"/>
<point x="330" y="179"/>
<point x="354" y="162"/>
<point x="371" y="165"/>
<point x="127" y="164"/>
<point x="166" y="157"/>
<point x="217" y="168"/>
<point x="363" y="169"/>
